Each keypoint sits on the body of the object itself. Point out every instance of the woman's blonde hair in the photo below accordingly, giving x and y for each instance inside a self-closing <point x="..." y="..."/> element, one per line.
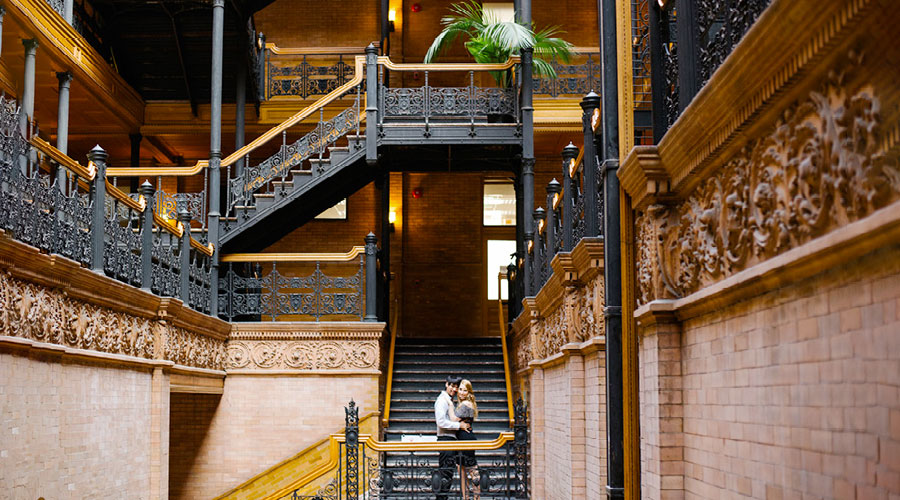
<point x="471" y="398"/>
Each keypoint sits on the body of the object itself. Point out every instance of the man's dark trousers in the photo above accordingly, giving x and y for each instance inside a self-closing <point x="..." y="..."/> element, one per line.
<point x="447" y="464"/>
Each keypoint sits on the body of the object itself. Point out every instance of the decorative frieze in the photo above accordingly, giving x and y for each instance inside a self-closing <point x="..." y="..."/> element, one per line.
<point x="49" y="315"/>
<point x="823" y="165"/>
<point x="293" y="346"/>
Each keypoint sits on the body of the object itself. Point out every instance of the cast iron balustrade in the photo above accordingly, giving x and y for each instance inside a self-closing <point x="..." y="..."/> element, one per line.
<point x="77" y="213"/>
<point x="372" y="469"/>
<point x="689" y="40"/>
<point x="306" y="73"/>
<point x="575" y="78"/>
<point x="292" y="287"/>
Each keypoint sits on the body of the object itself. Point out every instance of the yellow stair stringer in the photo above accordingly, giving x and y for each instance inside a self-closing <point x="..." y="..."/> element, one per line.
<point x="308" y="471"/>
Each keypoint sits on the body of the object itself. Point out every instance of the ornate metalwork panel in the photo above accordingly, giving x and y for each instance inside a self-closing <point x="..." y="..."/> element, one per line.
<point x="122" y="243"/>
<point x="307" y="78"/>
<point x="250" y="293"/>
<point x="722" y="24"/>
<point x="640" y="52"/>
<point x="165" y="269"/>
<point x="427" y="101"/>
<point x="199" y="284"/>
<point x="572" y="79"/>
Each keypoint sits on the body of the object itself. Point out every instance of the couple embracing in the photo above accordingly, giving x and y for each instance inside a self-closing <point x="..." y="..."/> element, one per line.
<point x="455" y="423"/>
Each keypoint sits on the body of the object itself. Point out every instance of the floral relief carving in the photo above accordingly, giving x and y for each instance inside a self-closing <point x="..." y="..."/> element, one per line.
<point x="48" y="315"/>
<point x="303" y="354"/>
<point x="554" y="334"/>
<point x="588" y="322"/>
<point x="523" y="352"/>
<point x="820" y="167"/>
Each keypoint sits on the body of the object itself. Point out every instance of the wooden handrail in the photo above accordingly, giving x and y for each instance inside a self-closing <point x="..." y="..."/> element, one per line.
<point x="303" y="51"/>
<point x="58" y="156"/>
<point x="390" y="370"/>
<point x="207" y="249"/>
<point x="294" y="257"/>
<point x="509" y="401"/>
<point x="374" y="444"/>
<point x="158" y="172"/>
<point x="386" y="61"/>
<point x="173" y="227"/>
<point x="136" y="205"/>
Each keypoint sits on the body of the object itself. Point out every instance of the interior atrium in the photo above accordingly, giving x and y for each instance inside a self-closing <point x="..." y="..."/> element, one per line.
<point x="246" y="244"/>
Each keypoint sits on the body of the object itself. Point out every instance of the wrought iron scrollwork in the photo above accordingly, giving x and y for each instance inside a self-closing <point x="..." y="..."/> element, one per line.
<point x="250" y="293"/>
<point x="427" y="101"/>
<point x="307" y="79"/>
<point x="571" y="79"/>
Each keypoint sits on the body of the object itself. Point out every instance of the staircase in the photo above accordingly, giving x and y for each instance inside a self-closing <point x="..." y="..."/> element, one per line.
<point x="420" y="369"/>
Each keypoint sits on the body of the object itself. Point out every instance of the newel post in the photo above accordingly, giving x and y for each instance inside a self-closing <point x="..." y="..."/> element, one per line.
<point x="147" y="192"/>
<point x="537" y="261"/>
<point x="98" y="157"/>
<point x="590" y="104"/>
<point x="184" y="217"/>
<point x="371" y="278"/>
<point x="371" y="104"/>
<point x="553" y="190"/>
<point x="569" y="153"/>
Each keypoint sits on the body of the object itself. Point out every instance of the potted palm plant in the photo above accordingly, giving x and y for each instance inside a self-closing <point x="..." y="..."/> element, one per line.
<point x="491" y="40"/>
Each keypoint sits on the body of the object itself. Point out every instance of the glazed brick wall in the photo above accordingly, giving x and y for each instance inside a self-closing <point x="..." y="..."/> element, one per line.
<point x="792" y="394"/>
<point x="73" y="431"/>
<point x="258" y="422"/>
<point x="329" y="23"/>
<point x="568" y="428"/>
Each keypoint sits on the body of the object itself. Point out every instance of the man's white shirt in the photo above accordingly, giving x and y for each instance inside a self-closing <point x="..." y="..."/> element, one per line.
<point x="445" y="426"/>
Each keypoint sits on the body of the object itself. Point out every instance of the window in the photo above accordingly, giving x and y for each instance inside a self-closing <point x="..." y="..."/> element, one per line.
<point x="338" y="211"/>
<point x="499" y="255"/>
<point x="499" y="204"/>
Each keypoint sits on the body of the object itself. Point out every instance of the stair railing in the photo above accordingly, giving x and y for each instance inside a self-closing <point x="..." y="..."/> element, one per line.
<point x="506" y="374"/>
<point x="390" y="371"/>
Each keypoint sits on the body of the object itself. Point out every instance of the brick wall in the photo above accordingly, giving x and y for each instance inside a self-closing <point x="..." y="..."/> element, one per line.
<point x="792" y="394"/>
<point x="307" y="23"/>
<point x="258" y="422"/>
<point x="73" y="431"/>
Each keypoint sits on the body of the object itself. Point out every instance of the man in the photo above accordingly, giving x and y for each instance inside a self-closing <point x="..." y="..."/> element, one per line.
<point x="446" y="431"/>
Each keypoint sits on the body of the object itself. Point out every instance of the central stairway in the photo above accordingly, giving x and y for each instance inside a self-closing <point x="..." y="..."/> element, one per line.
<point x="420" y="369"/>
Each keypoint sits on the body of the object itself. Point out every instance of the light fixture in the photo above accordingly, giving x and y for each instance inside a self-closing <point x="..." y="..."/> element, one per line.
<point x="392" y="16"/>
<point x="392" y="218"/>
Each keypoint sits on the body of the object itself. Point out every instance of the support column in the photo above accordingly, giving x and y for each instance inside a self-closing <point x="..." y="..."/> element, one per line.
<point x="2" y="13"/>
<point x="69" y="11"/>
<point x="612" y="269"/>
<point x="215" y="149"/>
<point x="26" y="100"/>
<point x="62" y="123"/>
<point x="159" y="434"/>
<point x="240" y="102"/>
<point x="529" y="224"/>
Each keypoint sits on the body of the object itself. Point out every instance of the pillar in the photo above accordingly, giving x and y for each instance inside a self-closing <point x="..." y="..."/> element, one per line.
<point x="26" y="100"/>
<point x="240" y="102"/>
<point x="62" y="122"/>
<point x="215" y="149"/>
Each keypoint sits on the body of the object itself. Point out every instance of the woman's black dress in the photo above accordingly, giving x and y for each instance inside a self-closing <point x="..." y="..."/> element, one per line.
<point x="466" y="414"/>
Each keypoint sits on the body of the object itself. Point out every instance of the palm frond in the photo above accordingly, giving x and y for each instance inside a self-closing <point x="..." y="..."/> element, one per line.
<point x="513" y="36"/>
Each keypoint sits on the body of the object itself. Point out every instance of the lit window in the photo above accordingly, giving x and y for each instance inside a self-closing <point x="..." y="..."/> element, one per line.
<point x="499" y="12"/>
<point x="499" y="255"/>
<point x="338" y="211"/>
<point x="499" y="204"/>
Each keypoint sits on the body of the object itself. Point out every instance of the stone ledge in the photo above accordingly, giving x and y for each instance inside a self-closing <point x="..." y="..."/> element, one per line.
<point x="589" y="346"/>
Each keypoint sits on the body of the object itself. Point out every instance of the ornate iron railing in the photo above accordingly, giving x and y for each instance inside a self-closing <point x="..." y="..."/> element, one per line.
<point x="372" y="469"/>
<point x="428" y="102"/>
<point x="689" y="40"/>
<point x="273" y="287"/>
<point x="575" y="78"/>
<point x="307" y="73"/>
<point x="57" y="205"/>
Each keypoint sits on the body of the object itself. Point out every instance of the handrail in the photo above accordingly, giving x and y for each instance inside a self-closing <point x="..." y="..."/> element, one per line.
<point x="173" y="227"/>
<point x="303" y="51"/>
<point x="158" y="172"/>
<point x="294" y="257"/>
<point x="376" y="445"/>
<point x="573" y="167"/>
<point x="386" y="61"/>
<point x="136" y="205"/>
<point x="207" y="249"/>
<point x="58" y="156"/>
<point x="390" y="370"/>
<point x="509" y="402"/>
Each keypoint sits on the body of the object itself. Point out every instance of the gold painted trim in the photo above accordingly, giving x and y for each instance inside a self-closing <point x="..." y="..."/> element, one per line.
<point x="173" y="227"/>
<point x="302" y="51"/>
<point x="154" y="172"/>
<point x="124" y="198"/>
<point x="509" y="402"/>
<point x="390" y="370"/>
<point x="207" y="249"/>
<point x="294" y="257"/>
<point x="386" y="61"/>
<point x="58" y="156"/>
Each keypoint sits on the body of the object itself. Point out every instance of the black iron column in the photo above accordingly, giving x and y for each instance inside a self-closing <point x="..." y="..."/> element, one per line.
<point x="612" y="274"/>
<point x="184" y="289"/>
<point x="62" y="123"/>
<point x="215" y="150"/>
<point x="147" y="192"/>
<point x="687" y="33"/>
<point x="524" y="17"/>
<point x="537" y="259"/>
<point x="240" y="103"/>
<point x="590" y="105"/>
<point x="553" y="189"/>
<point x="98" y="157"/>
<point x="371" y="104"/>
<point x="26" y="99"/>
<point x="569" y="153"/>
<point x="371" y="277"/>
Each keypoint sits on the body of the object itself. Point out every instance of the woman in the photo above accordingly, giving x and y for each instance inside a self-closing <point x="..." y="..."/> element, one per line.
<point x="467" y="411"/>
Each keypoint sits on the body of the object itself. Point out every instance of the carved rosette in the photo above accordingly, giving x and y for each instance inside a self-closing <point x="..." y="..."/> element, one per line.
<point x="821" y="166"/>
<point x="47" y="315"/>
<point x="303" y="354"/>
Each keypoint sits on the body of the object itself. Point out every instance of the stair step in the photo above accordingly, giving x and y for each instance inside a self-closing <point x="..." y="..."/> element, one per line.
<point x="301" y="172"/>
